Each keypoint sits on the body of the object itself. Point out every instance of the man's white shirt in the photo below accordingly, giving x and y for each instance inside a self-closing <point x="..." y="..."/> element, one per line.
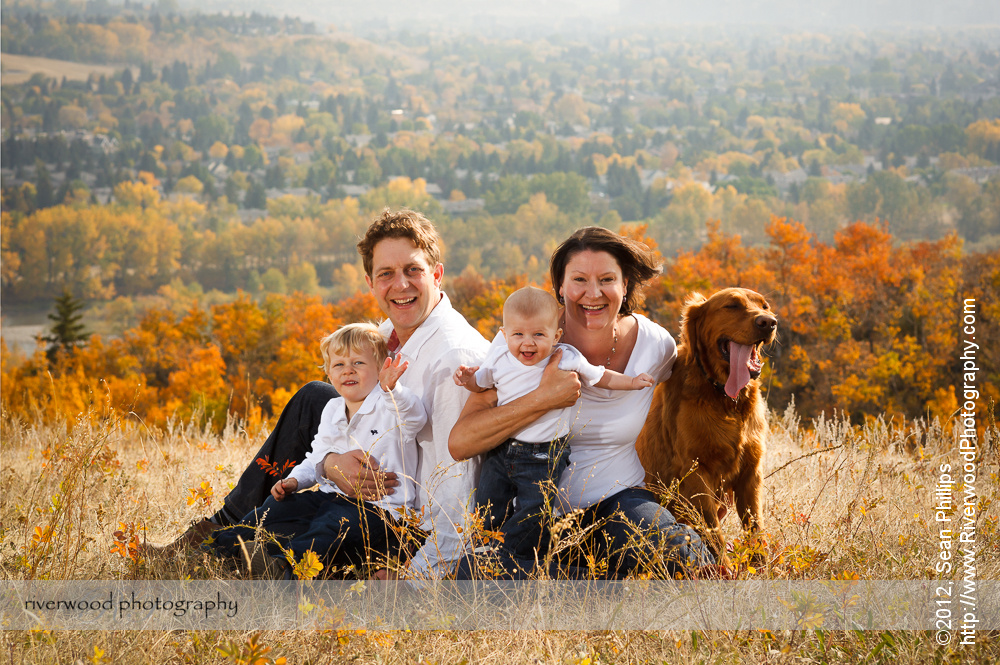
<point x="434" y="351"/>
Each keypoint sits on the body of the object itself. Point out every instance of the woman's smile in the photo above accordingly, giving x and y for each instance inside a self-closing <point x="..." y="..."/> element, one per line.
<point x="593" y="289"/>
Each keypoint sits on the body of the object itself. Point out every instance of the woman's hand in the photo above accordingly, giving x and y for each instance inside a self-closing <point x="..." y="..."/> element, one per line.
<point x="562" y="387"/>
<point x="483" y="425"/>
<point x="357" y="475"/>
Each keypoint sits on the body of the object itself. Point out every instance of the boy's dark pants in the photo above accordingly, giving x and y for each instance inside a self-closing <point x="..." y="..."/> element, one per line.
<point x="289" y="441"/>
<point x="530" y="472"/>
<point x="341" y="530"/>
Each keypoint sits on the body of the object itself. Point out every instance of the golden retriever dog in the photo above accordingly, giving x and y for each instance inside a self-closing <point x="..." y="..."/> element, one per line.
<point x="706" y="426"/>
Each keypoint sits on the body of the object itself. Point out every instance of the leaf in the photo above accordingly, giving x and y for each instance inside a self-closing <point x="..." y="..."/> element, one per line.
<point x="308" y="567"/>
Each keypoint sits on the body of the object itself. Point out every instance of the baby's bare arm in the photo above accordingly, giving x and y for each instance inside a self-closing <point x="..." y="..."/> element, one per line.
<point x="613" y="380"/>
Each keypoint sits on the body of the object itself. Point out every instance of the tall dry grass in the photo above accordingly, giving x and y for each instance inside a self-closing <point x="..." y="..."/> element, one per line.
<point x="840" y="501"/>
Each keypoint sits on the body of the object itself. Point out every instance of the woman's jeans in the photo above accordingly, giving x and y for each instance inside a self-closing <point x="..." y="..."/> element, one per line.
<point x="628" y="533"/>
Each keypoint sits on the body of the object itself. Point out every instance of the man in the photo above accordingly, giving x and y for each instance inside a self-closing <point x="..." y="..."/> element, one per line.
<point x="401" y="252"/>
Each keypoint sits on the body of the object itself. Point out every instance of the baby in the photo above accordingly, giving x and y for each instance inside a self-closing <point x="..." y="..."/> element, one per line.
<point x="372" y="415"/>
<point x="527" y="466"/>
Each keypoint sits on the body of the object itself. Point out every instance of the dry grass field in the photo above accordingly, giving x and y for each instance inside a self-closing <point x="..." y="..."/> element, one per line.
<point x="19" y="68"/>
<point x="841" y="502"/>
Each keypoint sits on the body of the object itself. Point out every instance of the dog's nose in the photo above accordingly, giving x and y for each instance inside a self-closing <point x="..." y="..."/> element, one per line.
<point x="765" y="322"/>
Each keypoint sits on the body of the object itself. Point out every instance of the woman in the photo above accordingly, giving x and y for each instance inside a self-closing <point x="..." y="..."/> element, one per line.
<point x="598" y="276"/>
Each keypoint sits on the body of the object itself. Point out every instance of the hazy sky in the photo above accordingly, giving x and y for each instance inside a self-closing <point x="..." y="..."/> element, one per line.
<point x="556" y="14"/>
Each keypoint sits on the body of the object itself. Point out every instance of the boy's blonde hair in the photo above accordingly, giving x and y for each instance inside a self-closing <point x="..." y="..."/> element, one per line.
<point x="531" y="301"/>
<point x="357" y="337"/>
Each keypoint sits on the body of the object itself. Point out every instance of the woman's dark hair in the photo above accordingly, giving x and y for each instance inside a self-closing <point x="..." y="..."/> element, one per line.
<point x="637" y="262"/>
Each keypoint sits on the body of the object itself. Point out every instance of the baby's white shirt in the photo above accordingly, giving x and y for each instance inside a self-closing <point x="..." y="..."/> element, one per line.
<point x="514" y="379"/>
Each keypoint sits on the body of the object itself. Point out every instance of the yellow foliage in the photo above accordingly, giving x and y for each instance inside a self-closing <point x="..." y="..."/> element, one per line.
<point x="944" y="405"/>
<point x="851" y="114"/>
<point x="306" y="568"/>
<point x="983" y="134"/>
<point x="287" y="124"/>
<point x="190" y="185"/>
<point x="218" y="150"/>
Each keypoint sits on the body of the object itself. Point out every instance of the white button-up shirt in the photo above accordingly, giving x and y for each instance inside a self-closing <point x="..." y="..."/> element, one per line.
<point x="385" y="426"/>
<point x="434" y="351"/>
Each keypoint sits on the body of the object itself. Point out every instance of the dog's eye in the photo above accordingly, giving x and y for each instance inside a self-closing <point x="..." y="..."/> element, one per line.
<point x="731" y="305"/>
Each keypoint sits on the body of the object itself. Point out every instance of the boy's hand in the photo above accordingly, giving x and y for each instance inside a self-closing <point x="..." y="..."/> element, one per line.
<point x="466" y="376"/>
<point x="391" y="371"/>
<point x="283" y="488"/>
<point x="643" y="381"/>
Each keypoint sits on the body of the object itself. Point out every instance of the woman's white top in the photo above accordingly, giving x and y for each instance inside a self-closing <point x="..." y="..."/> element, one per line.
<point x="602" y="459"/>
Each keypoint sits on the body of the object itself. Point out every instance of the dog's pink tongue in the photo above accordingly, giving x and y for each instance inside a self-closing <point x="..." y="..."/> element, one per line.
<point x="739" y="375"/>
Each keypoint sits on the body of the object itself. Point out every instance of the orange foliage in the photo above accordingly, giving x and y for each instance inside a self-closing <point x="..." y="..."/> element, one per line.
<point x="482" y="301"/>
<point x="867" y="326"/>
<point x="203" y="365"/>
<point x="361" y="306"/>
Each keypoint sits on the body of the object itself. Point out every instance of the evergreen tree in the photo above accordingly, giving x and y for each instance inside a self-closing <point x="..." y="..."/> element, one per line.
<point x="45" y="194"/>
<point x="256" y="197"/>
<point x="68" y="331"/>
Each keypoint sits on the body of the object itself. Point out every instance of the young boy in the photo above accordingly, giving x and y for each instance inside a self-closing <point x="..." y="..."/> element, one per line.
<point x="527" y="467"/>
<point x="382" y="423"/>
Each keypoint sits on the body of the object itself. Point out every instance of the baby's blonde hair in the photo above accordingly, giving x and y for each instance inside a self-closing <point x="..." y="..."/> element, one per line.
<point x="357" y="337"/>
<point x="531" y="301"/>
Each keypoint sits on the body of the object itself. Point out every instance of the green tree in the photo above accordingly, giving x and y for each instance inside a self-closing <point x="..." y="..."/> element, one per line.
<point x="302" y="278"/>
<point x="256" y="196"/>
<point x="68" y="331"/>
<point x="569" y="191"/>
<point x="509" y="194"/>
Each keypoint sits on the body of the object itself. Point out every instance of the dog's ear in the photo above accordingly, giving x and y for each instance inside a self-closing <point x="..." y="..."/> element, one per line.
<point x="691" y="315"/>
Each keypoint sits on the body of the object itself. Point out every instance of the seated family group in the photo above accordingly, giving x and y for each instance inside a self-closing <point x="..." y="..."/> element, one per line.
<point x="439" y="455"/>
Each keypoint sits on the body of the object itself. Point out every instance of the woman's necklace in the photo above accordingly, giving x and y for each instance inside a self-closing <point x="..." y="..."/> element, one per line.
<point x="614" y="345"/>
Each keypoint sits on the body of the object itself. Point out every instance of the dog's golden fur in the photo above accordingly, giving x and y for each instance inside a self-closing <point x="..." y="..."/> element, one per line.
<point x="694" y="424"/>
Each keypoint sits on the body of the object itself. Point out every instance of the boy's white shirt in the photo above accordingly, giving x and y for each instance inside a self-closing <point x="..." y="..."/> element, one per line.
<point x="514" y="379"/>
<point x="385" y="426"/>
<point x="445" y="487"/>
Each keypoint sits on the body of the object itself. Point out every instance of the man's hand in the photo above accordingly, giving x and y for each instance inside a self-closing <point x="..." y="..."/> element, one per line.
<point x="283" y="488"/>
<point x="385" y="574"/>
<point x="391" y="371"/>
<point x="466" y="376"/>
<point x="560" y="388"/>
<point x="357" y="475"/>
